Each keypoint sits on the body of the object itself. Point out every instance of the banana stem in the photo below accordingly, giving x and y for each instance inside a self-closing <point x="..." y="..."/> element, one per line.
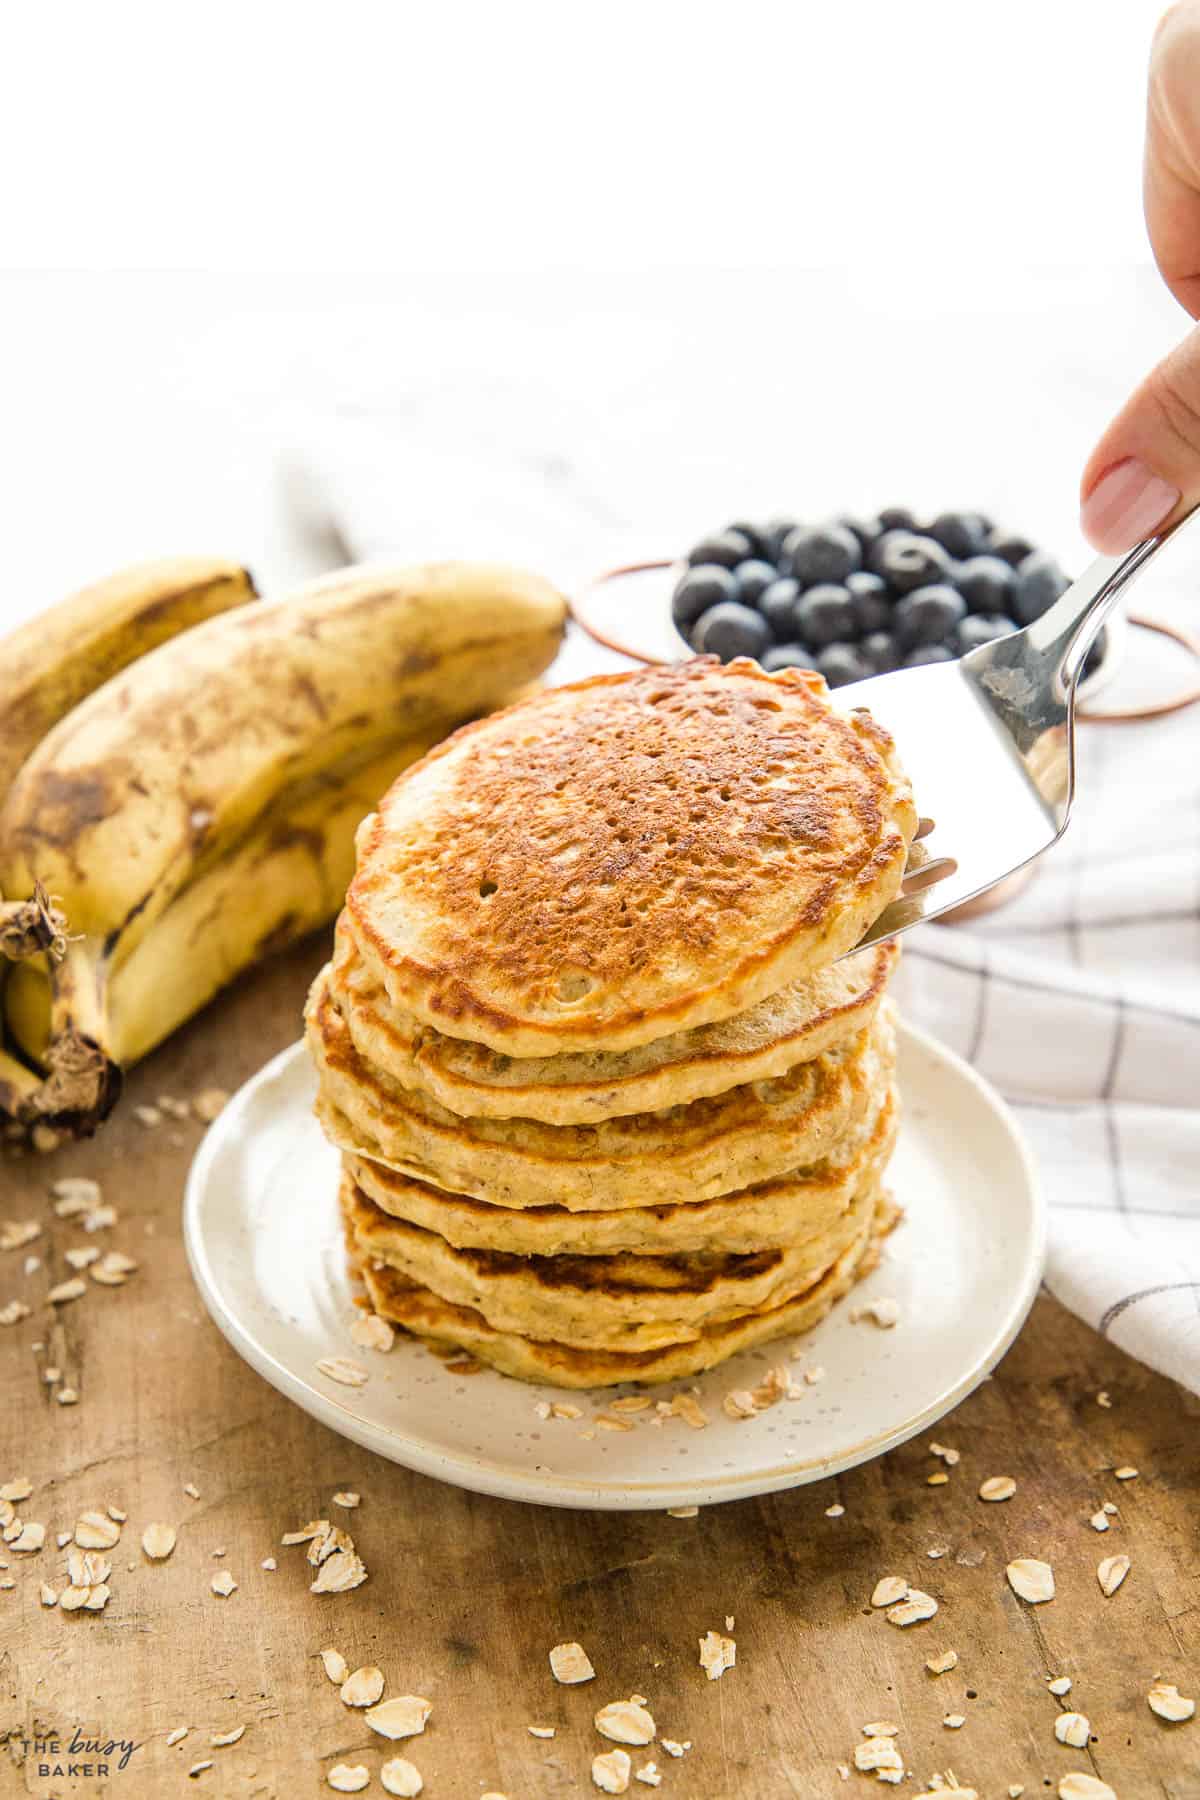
<point x="28" y="927"/>
<point x="78" y="1081"/>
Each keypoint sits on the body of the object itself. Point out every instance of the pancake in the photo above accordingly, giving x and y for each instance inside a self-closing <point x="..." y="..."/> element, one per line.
<point x="787" y="1211"/>
<point x="421" y="1312"/>
<point x="624" y="1302"/>
<point x="812" y="1015"/>
<point x="629" y="857"/>
<point x="708" y="1147"/>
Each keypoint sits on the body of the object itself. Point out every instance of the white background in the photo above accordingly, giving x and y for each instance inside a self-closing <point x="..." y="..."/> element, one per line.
<point x="547" y="279"/>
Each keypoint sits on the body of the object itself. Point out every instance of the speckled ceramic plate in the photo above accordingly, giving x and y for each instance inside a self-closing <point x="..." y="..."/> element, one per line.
<point x="263" y="1236"/>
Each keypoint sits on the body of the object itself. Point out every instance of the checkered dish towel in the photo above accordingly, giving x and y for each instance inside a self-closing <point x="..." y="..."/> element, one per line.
<point x="1080" y="1001"/>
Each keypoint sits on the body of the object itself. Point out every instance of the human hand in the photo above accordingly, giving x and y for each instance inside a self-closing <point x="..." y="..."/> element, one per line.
<point x="1145" y="471"/>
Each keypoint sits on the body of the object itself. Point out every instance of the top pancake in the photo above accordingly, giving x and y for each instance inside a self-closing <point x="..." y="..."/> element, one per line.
<point x="630" y="856"/>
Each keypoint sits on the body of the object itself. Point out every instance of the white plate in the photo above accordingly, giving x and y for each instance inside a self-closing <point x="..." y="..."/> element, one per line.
<point x="263" y="1236"/>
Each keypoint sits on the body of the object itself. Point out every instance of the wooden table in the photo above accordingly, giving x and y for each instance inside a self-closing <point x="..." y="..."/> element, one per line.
<point x="466" y="1594"/>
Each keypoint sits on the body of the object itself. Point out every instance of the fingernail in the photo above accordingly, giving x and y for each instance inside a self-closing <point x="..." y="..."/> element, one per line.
<point x="1125" y="505"/>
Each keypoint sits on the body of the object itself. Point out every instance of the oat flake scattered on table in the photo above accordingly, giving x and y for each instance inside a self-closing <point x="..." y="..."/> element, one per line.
<point x="888" y="1590"/>
<point x="404" y="1716"/>
<point x="541" y="1731"/>
<point x="223" y="1584"/>
<point x="610" y="1771"/>
<point x="1166" y="1700"/>
<point x="717" y="1654"/>
<point x="335" y="1666"/>
<point x="997" y="1487"/>
<point x="96" y="1531"/>
<point x="222" y="1739"/>
<point x="348" y="1778"/>
<point x="363" y="1687"/>
<point x="875" y="1754"/>
<point x="625" y="1722"/>
<point x="941" y="1665"/>
<point x="158" y="1541"/>
<point x="1111" y="1573"/>
<point x="912" y="1610"/>
<point x="1084" y="1787"/>
<point x="1072" y="1728"/>
<point x="1060" y="1685"/>
<point x="399" y="1776"/>
<point x="570" y="1664"/>
<point x="1031" y="1580"/>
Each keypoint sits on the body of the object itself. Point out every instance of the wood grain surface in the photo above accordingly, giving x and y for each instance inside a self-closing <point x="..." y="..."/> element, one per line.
<point x="467" y="1594"/>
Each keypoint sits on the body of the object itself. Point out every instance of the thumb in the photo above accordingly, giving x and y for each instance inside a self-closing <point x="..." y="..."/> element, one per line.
<point x="1145" y="471"/>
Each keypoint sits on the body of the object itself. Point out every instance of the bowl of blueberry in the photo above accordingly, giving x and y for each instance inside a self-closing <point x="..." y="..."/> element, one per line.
<point x="851" y="597"/>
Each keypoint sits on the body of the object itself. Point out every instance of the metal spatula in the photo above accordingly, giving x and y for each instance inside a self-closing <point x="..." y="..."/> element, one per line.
<point x="989" y="745"/>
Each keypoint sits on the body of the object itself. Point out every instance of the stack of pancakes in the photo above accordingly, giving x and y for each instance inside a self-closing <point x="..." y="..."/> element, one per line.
<point x="609" y="1106"/>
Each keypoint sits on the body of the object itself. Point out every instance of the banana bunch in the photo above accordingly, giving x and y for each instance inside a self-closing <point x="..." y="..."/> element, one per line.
<point x="198" y="810"/>
<point x="46" y="668"/>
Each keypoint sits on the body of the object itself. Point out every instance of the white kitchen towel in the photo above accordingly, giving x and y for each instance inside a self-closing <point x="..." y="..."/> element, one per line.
<point x="1079" y="1000"/>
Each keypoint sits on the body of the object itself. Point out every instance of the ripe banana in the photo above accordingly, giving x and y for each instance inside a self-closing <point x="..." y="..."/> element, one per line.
<point x="49" y="665"/>
<point x="179" y="772"/>
<point x="283" y="881"/>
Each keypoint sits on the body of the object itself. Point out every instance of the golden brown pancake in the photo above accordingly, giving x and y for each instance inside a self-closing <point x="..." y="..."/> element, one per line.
<point x="423" y="1313"/>
<point x="629" y="857"/>
<point x="787" y="1211"/>
<point x="812" y="1015"/>
<point x="708" y="1147"/>
<point x="624" y="1302"/>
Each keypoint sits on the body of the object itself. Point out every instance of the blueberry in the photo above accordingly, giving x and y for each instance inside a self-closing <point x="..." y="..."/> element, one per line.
<point x="865" y="530"/>
<point x="788" y="656"/>
<point x="1009" y="547"/>
<point x="699" y="589"/>
<point x="730" y="630"/>
<point x="978" y="629"/>
<point x="1039" y="582"/>
<point x="906" y="561"/>
<point x="986" y="584"/>
<point x="843" y="663"/>
<point x="773" y="534"/>
<point x="778" y="605"/>
<point x="928" y="653"/>
<point x="872" y="608"/>
<point x="897" y="518"/>
<point x="961" y="533"/>
<point x="753" y="579"/>
<point x="928" y="615"/>
<point x="882" y="651"/>
<point x="728" y="548"/>
<point x="825" y="615"/>
<point x="820" y="553"/>
<point x="753" y="535"/>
